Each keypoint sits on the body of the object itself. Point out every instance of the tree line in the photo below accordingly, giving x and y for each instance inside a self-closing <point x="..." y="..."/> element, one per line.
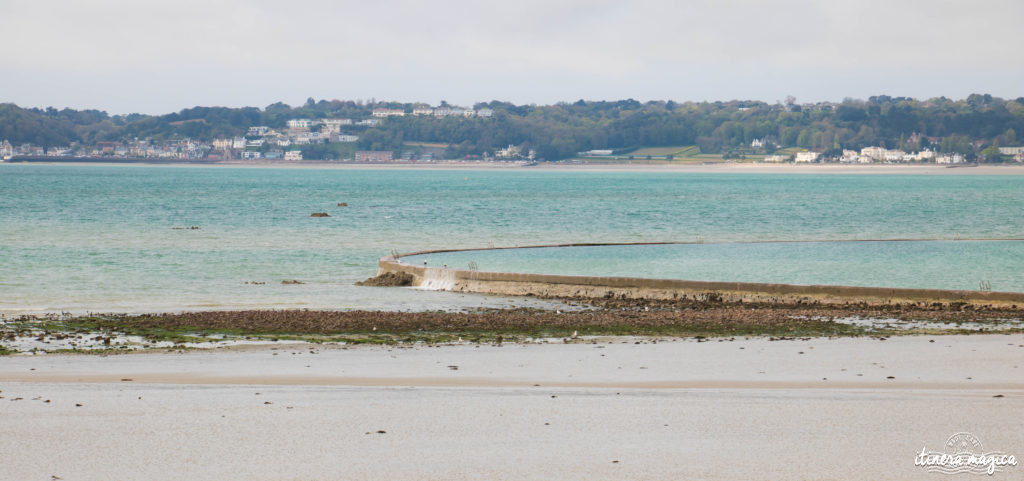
<point x="968" y="126"/>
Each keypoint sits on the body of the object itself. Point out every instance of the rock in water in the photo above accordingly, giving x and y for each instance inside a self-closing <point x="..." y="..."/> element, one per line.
<point x="320" y="214"/>
<point x="388" y="279"/>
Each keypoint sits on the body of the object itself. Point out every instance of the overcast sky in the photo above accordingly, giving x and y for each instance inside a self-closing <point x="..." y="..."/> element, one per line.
<point x="164" y="55"/>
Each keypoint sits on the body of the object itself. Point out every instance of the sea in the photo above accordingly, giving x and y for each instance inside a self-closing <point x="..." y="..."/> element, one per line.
<point x="145" y="238"/>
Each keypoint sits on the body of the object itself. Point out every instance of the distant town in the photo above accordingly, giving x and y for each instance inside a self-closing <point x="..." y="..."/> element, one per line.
<point x="260" y="143"/>
<point x="879" y="130"/>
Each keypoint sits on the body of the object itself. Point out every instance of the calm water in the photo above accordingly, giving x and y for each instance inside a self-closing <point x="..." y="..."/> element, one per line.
<point x="103" y="238"/>
<point x="934" y="265"/>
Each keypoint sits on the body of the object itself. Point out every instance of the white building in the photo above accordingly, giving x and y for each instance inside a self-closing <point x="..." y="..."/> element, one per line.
<point x="255" y="143"/>
<point x="876" y="153"/>
<point x="894" y="155"/>
<point x="507" y="153"/>
<point x="6" y="150"/>
<point x="369" y="122"/>
<point x="756" y="143"/>
<point x="949" y="159"/>
<point x="258" y="131"/>
<point x="1011" y="150"/>
<point x="344" y="138"/>
<point x="250" y="155"/>
<point x="238" y="143"/>
<point x="300" y="124"/>
<point x="924" y="155"/>
<point x="380" y="113"/>
<point x="222" y="143"/>
<point x="423" y="111"/>
<point x="807" y="156"/>
<point x="294" y="155"/>
<point x="774" y="158"/>
<point x="333" y="126"/>
<point x="484" y="113"/>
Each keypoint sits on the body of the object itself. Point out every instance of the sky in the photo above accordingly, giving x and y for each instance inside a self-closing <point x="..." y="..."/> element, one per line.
<point x="160" y="56"/>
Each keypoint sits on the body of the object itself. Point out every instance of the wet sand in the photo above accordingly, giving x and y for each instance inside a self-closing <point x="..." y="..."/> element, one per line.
<point x="676" y="409"/>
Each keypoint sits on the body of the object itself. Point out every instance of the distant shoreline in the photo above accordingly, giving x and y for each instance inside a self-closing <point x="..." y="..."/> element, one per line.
<point x="724" y="167"/>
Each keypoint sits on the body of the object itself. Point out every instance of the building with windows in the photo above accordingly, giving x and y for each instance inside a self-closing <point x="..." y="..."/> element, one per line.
<point x="374" y="156"/>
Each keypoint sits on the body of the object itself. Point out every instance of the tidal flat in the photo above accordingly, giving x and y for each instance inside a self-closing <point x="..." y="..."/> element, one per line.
<point x="599" y="408"/>
<point x="582" y="318"/>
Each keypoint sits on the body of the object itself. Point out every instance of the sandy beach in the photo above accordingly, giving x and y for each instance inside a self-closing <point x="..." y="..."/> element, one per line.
<point x="602" y="408"/>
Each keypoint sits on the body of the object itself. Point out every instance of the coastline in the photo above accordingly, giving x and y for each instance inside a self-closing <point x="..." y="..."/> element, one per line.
<point x="720" y="167"/>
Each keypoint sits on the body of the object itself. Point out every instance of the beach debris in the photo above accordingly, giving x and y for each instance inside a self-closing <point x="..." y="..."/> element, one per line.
<point x="453" y="368"/>
<point x="291" y="282"/>
<point x="890" y="377"/>
<point x="998" y="395"/>
<point x="78" y="405"/>
<point x="319" y="214"/>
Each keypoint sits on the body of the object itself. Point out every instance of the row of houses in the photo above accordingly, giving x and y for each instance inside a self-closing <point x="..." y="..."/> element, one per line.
<point x="184" y="149"/>
<point x="434" y="112"/>
<point x="282" y="155"/>
<point x="282" y="140"/>
<point x="329" y="125"/>
<point x="869" y="155"/>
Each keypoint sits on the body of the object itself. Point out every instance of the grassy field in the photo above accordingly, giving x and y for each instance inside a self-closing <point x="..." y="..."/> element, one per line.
<point x="435" y="145"/>
<point x="677" y="151"/>
<point x="682" y="154"/>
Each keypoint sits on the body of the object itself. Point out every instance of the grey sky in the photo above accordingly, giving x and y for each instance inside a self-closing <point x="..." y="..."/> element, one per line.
<point x="163" y="55"/>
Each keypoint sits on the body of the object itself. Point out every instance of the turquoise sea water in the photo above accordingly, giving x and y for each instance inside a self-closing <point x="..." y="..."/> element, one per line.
<point x="103" y="238"/>
<point x="923" y="264"/>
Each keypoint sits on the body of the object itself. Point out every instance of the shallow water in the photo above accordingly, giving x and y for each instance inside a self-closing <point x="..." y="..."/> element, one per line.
<point x="108" y="238"/>
<point x="915" y="264"/>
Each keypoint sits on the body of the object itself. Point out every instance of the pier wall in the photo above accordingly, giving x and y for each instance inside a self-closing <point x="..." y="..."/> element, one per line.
<point x="550" y="285"/>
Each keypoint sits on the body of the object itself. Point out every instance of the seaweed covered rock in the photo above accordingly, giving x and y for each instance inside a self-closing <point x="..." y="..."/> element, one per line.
<point x="389" y="279"/>
<point x="320" y="214"/>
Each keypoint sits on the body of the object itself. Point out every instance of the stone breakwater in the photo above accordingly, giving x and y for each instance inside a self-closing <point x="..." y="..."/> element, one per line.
<point x="593" y="287"/>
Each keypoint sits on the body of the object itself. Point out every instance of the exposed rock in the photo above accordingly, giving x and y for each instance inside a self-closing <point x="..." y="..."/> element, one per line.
<point x="389" y="279"/>
<point x="320" y="214"/>
<point x="293" y="281"/>
<point x="342" y="204"/>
